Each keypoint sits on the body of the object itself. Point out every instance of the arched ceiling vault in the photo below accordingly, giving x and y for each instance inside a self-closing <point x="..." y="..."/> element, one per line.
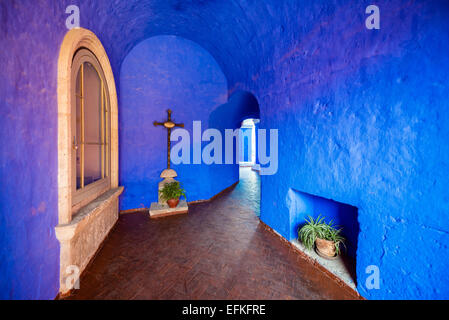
<point x="235" y="32"/>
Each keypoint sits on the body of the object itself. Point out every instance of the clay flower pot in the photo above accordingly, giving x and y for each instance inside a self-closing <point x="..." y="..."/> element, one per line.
<point x="173" y="203"/>
<point x="325" y="247"/>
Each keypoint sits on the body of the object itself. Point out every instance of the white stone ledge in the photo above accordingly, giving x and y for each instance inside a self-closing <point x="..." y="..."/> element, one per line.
<point x="337" y="267"/>
<point x="66" y="232"/>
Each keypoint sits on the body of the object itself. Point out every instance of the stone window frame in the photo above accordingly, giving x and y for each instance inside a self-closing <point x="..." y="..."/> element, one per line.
<point x="74" y="40"/>
<point x="88" y="192"/>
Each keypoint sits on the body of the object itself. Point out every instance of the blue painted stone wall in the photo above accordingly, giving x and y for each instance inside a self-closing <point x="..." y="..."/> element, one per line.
<point x="256" y="141"/>
<point x="159" y="73"/>
<point x="363" y="119"/>
<point x="29" y="251"/>
<point x="245" y="144"/>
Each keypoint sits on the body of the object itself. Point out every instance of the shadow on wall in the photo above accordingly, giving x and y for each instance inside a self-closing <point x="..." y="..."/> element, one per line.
<point x="301" y="205"/>
<point x="159" y="73"/>
<point x="240" y="106"/>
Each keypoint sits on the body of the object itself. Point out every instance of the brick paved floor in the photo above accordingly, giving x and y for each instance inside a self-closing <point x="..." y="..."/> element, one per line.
<point x="219" y="250"/>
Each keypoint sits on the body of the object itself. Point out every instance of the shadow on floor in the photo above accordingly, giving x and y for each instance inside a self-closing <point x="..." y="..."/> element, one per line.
<point x="219" y="250"/>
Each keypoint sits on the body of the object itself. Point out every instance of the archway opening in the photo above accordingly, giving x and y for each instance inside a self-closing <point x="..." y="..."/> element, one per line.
<point x="241" y="113"/>
<point x="247" y="143"/>
<point x="166" y="72"/>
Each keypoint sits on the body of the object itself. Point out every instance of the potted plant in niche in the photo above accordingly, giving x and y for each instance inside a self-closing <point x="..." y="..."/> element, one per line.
<point x="171" y="192"/>
<point x="325" y="236"/>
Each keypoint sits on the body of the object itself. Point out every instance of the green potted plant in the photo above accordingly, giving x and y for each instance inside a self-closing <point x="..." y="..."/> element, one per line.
<point x="171" y="192"/>
<point x="325" y="236"/>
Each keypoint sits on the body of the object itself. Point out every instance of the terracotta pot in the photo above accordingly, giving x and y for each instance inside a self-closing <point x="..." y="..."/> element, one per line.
<point x="325" y="247"/>
<point x="173" y="203"/>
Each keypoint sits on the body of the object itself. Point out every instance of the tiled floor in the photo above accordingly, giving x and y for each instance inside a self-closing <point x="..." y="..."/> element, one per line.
<point x="219" y="250"/>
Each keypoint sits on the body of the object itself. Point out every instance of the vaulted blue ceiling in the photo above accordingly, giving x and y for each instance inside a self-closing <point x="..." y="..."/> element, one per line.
<point x="235" y="32"/>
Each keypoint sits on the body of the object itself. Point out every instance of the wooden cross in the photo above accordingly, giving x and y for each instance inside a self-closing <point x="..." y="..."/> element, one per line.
<point x="169" y="124"/>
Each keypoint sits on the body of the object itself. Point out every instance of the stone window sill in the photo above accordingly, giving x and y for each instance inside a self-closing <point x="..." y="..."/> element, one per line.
<point x="86" y="214"/>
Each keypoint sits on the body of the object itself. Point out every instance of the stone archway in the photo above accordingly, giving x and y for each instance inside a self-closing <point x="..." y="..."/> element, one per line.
<point x="81" y="233"/>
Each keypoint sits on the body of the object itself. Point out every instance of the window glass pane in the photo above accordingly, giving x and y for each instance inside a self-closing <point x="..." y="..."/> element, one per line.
<point x="92" y="126"/>
<point x="105" y="135"/>
<point x="78" y="129"/>
<point x="92" y="170"/>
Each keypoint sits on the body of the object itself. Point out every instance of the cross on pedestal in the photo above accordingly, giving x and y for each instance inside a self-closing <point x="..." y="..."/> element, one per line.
<point x="160" y="208"/>
<point x="168" y="124"/>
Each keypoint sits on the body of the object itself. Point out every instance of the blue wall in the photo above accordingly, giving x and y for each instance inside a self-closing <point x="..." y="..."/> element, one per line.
<point x="245" y="144"/>
<point x="159" y="73"/>
<point x="364" y="120"/>
<point x="240" y="106"/>
<point x="29" y="251"/>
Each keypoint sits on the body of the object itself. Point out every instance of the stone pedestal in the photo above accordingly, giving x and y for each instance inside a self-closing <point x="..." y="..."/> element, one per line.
<point x="168" y="175"/>
<point x="160" y="208"/>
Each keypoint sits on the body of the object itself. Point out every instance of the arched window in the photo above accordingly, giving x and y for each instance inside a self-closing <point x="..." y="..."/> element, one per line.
<point x="90" y="125"/>
<point x="88" y="187"/>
